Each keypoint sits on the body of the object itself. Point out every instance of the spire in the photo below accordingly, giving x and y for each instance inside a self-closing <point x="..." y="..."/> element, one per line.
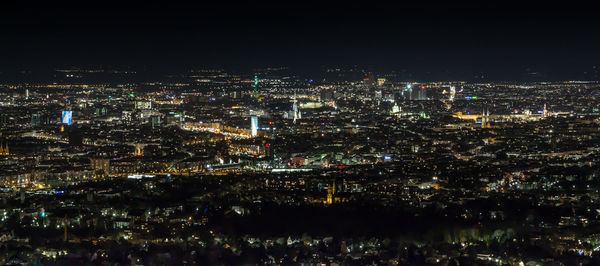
<point x="255" y="87"/>
<point x="330" y="194"/>
<point x="295" y="108"/>
<point x="484" y="117"/>
<point x="487" y="117"/>
<point x="4" y="148"/>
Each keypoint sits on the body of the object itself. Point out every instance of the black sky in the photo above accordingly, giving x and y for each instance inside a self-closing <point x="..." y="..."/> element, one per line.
<point x="456" y="39"/>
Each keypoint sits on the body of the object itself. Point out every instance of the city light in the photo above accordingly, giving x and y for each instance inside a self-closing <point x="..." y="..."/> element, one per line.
<point x="256" y="133"/>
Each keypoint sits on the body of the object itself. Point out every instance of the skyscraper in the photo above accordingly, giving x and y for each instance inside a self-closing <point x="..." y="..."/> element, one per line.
<point x="67" y="117"/>
<point x="255" y="87"/>
<point x="407" y="92"/>
<point x="295" y="109"/>
<point x="155" y="120"/>
<point x="422" y="94"/>
<point x="35" y="120"/>
<point x="254" y="125"/>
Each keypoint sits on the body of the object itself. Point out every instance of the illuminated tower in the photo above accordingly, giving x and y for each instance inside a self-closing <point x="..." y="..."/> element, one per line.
<point x="483" y="117"/>
<point x="452" y="93"/>
<point x="255" y="87"/>
<point x="254" y="125"/>
<point x="330" y="194"/>
<point x="485" y="122"/>
<point x="3" y="150"/>
<point x="409" y="92"/>
<point x="295" y="108"/>
<point x="422" y="94"/>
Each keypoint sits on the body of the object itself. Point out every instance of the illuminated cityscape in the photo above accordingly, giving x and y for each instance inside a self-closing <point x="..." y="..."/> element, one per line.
<point x="271" y="158"/>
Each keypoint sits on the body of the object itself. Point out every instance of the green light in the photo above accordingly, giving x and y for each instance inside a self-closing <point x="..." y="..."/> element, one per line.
<point x="474" y="97"/>
<point x="131" y="95"/>
<point x="256" y="87"/>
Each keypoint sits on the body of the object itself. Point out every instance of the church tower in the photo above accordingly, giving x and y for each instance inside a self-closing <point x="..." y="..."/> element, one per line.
<point x="4" y="149"/>
<point x="330" y="194"/>
<point x="485" y="120"/>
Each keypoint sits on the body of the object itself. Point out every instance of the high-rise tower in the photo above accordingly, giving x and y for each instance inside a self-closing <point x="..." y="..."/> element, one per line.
<point x="254" y="126"/>
<point x="255" y="87"/>
<point x="295" y="108"/>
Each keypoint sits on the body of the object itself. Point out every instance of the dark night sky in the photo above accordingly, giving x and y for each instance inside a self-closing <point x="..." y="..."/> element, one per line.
<point x="456" y="40"/>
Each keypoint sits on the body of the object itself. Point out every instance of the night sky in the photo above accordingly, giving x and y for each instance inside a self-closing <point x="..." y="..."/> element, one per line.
<point x="503" y="39"/>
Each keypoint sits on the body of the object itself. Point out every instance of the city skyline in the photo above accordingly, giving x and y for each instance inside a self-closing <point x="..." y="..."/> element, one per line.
<point x="299" y="133"/>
